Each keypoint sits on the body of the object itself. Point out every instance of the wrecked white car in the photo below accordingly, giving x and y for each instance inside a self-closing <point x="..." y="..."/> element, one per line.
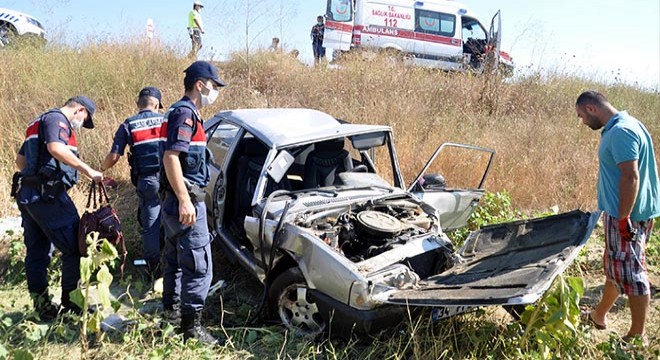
<point x="317" y="209"/>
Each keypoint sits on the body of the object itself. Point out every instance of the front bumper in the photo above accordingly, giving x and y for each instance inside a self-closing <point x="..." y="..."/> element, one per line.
<point x="344" y="321"/>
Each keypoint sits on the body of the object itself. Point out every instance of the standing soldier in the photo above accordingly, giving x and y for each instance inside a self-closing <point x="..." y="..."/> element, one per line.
<point x="628" y="196"/>
<point x="275" y="45"/>
<point x="317" y="40"/>
<point x="49" y="165"/>
<point x="141" y="133"/>
<point x="195" y="28"/>
<point x="188" y="266"/>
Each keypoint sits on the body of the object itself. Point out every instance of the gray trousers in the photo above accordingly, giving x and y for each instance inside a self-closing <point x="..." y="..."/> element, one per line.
<point x="188" y="265"/>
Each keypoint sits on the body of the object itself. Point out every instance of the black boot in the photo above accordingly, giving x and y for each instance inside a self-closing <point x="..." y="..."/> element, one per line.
<point x="191" y="327"/>
<point x="154" y="270"/>
<point x="172" y="314"/>
<point x="43" y="306"/>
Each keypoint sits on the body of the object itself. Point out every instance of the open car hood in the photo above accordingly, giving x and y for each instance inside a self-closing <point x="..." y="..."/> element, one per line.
<point x="511" y="263"/>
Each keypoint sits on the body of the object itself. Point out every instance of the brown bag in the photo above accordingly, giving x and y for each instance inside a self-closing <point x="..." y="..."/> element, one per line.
<point x="101" y="218"/>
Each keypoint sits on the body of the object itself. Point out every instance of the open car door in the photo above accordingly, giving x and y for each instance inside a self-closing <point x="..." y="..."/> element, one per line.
<point x="506" y="264"/>
<point x="452" y="182"/>
<point x="339" y="22"/>
<point x="494" y="41"/>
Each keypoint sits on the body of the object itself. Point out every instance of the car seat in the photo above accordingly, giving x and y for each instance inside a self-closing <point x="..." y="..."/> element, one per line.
<point x="325" y="162"/>
<point x="248" y="170"/>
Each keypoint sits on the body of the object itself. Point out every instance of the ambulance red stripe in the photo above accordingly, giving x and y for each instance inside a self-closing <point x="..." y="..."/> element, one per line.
<point x="408" y="34"/>
<point x="437" y="39"/>
<point x="334" y="25"/>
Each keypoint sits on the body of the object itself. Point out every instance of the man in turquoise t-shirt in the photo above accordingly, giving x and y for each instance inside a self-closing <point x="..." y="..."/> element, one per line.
<point x="195" y="28"/>
<point x="629" y="196"/>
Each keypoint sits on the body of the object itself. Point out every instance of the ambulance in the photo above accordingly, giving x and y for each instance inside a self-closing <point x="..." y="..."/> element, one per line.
<point x="434" y="33"/>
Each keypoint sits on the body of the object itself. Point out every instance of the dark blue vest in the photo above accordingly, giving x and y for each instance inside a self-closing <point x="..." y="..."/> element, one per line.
<point x="39" y="160"/>
<point x="194" y="163"/>
<point x="144" y="131"/>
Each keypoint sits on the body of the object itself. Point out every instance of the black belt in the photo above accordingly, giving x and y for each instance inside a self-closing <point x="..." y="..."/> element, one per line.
<point x="196" y="192"/>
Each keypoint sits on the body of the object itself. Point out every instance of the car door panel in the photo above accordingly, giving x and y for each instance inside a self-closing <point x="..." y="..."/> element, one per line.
<point x="219" y="145"/>
<point x="454" y="205"/>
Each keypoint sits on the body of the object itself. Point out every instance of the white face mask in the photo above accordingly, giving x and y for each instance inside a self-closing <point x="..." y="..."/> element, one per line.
<point x="76" y="124"/>
<point x="209" y="98"/>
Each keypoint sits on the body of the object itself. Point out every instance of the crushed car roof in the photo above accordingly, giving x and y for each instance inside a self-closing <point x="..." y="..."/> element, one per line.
<point x="286" y="127"/>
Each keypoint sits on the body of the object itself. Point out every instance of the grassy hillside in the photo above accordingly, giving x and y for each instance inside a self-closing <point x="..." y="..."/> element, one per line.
<point x="545" y="157"/>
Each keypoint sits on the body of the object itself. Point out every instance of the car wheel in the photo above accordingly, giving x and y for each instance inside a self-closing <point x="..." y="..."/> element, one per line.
<point x="515" y="310"/>
<point x="394" y="57"/>
<point x="6" y="33"/>
<point x="290" y="299"/>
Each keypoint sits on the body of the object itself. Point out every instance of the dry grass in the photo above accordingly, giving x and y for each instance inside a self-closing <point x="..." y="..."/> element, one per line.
<point x="544" y="155"/>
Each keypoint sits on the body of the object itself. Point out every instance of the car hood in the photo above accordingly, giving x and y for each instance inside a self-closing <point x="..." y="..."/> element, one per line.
<point x="511" y="263"/>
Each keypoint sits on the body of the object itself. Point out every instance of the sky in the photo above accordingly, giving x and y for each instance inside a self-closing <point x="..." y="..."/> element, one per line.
<point x="607" y="40"/>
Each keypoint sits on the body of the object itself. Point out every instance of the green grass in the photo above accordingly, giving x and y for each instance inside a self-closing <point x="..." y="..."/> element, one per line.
<point x="550" y="330"/>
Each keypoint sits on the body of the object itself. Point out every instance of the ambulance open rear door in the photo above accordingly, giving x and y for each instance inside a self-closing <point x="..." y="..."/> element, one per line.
<point x="495" y="40"/>
<point x="339" y="25"/>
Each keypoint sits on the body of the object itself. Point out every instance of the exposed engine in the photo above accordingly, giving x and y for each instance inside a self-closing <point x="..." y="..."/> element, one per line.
<point x="366" y="231"/>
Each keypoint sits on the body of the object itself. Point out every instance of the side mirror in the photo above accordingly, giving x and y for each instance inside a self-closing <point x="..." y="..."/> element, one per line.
<point x="367" y="141"/>
<point x="278" y="168"/>
<point x="433" y="182"/>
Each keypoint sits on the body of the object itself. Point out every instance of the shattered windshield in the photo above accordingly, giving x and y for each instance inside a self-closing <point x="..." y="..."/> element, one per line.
<point x="356" y="161"/>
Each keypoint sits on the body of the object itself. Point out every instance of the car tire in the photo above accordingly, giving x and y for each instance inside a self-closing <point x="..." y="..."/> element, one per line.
<point x="290" y="300"/>
<point x="7" y="32"/>
<point x="515" y="310"/>
<point x="393" y="56"/>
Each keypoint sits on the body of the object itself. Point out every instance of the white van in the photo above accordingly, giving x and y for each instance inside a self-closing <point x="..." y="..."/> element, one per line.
<point x="435" y="33"/>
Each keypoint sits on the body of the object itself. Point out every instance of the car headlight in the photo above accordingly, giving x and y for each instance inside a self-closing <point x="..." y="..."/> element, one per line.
<point x="400" y="281"/>
<point x="398" y="276"/>
<point x="359" y="296"/>
<point x="366" y="295"/>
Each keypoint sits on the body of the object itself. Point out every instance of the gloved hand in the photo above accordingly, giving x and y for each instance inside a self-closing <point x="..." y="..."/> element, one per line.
<point x="626" y="230"/>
